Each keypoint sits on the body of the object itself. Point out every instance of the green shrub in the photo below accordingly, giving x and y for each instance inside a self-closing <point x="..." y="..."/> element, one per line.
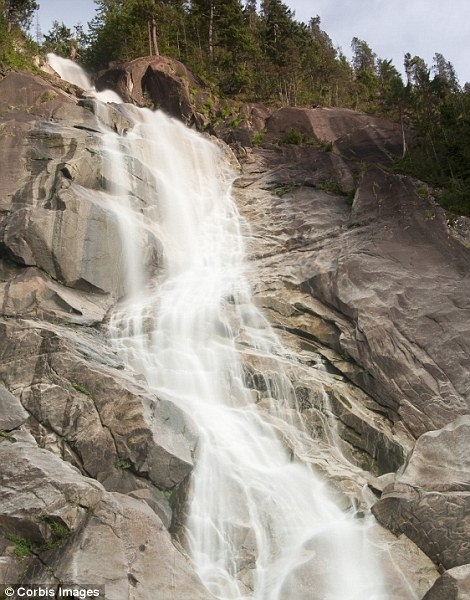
<point x="82" y="389"/>
<point x="123" y="464"/>
<point x="5" y="435"/>
<point x="293" y="136"/>
<point x="257" y="138"/>
<point x="455" y="197"/>
<point x="22" y="547"/>
<point x="48" y="95"/>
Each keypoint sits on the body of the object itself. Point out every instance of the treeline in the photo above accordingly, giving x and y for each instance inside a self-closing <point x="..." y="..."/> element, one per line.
<point x="260" y="52"/>
<point x="255" y="53"/>
<point x="439" y="111"/>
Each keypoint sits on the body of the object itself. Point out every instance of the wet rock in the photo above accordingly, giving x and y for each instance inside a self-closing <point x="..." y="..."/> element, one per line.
<point x="80" y="413"/>
<point x="371" y="288"/>
<point x="355" y="269"/>
<point x="55" y="216"/>
<point x="371" y="270"/>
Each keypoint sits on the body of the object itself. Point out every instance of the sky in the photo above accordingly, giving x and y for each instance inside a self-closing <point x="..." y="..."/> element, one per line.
<point x="390" y="27"/>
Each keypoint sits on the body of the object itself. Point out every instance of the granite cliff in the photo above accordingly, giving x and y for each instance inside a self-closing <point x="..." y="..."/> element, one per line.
<point x="359" y="270"/>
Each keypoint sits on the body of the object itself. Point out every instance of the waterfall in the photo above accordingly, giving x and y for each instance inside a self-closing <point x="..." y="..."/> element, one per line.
<point x="260" y="522"/>
<point x="257" y="516"/>
<point x="69" y="71"/>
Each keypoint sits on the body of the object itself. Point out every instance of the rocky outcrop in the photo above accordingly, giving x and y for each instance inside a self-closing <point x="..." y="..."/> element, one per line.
<point x="366" y="274"/>
<point x="90" y="413"/>
<point x="357" y="269"/>
<point x="159" y="82"/>
<point x="453" y="585"/>
<point x="49" y="209"/>
<point x="56" y="226"/>
<point x="363" y="277"/>
<point x="89" y="455"/>
<point x="352" y="134"/>
<point x="430" y="500"/>
<point x="66" y="527"/>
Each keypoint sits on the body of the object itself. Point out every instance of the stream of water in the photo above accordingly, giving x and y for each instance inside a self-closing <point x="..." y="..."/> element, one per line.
<point x="260" y="524"/>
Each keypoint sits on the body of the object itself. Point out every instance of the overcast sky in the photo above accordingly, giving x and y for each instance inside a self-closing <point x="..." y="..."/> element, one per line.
<point x="390" y="27"/>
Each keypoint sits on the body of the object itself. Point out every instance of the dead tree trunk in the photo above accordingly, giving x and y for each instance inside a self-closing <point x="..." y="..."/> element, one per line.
<point x="154" y="37"/>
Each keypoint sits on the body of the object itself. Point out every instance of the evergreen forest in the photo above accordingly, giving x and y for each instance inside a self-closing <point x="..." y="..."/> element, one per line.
<point x="259" y="52"/>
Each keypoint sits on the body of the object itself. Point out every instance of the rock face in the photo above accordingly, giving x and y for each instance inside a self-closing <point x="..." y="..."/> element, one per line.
<point x="356" y="268"/>
<point x="67" y="524"/>
<point x="89" y="455"/>
<point x="51" y="216"/>
<point x="359" y="267"/>
<point x="453" y="585"/>
<point x="159" y="80"/>
<point x="431" y="496"/>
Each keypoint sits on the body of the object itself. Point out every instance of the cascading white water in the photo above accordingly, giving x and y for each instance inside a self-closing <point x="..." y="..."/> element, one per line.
<point x="260" y="523"/>
<point x="256" y="515"/>
<point x="73" y="73"/>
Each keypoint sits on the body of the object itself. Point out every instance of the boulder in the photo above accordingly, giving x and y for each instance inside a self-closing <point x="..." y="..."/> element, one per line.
<point x="42" y="495"/>
<point x="440" y="460"/>
<point x="12" y="413"/>
<point x="159" y="80"/>
<point x="101" y="419"/>
<point x="454" y="584"/>
<point x="430" y="500"/>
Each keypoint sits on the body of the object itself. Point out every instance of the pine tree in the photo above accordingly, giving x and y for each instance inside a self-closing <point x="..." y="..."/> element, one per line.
<point x="59" y="39"/>
<point x="364" y="66"/>
<point x="19" y="12"/>
<point x="444" y="74"/>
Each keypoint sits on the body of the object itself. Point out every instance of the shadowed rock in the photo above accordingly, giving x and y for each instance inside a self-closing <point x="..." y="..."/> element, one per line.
<point x="452" y="585"/>
<point x="159" y="80"/>
<point x="430" y="500"/>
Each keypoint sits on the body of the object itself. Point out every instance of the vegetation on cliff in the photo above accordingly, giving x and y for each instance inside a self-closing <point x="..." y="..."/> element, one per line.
<point x="16" y="48"/>
<point x="265" y="55"/>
